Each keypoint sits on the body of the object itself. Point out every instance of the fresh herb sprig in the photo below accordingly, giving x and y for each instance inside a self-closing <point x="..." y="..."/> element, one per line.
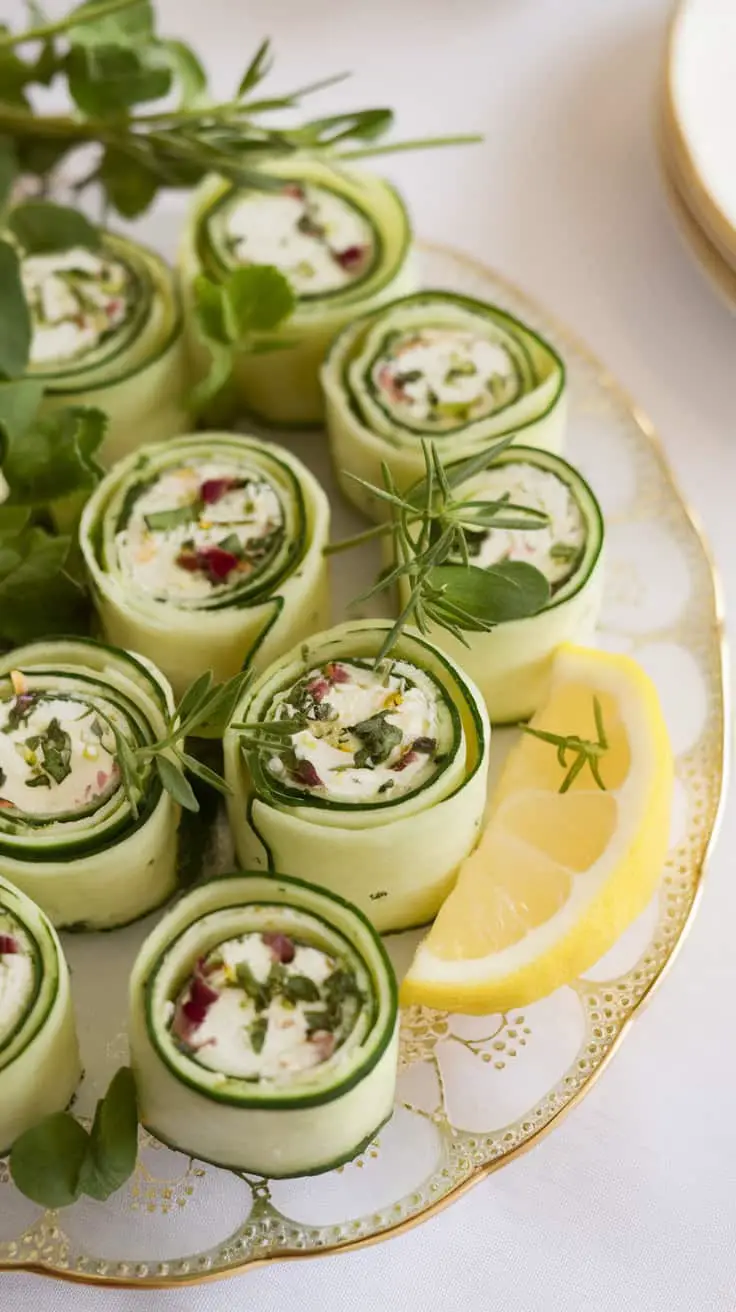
<point x="430" y="528"/>
<point x="57" y="1161"/>
<point x="113" y="61"/>
<point x="587" y="751"/>
<point x="205" y="707"/>
<point x="269" y="735"/>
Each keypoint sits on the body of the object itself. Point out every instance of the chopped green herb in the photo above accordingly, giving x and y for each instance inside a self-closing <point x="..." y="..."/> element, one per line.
<point x="20" y="710"/>
<point x="319" y="1020"/>
<point x="259" y="992"/>
<point x="563" y="551"/>
<point x="257" y="1033"/>
<point x="300" y="988"/>
<point x="378" y="738"/>
<point x="233" y="545"/>
<point x="159" y="521"/>
<point x="56" y="752"/>
<point x="387" y="786"/>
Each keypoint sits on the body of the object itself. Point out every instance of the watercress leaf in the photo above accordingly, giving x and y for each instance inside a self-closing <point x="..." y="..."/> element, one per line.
<point x="46" y="1162"/>
<point x="37" y="598"/>
<point x="176" y="783"/>
<point x="15" y="321"/>
<point x="509" y="591"/>
<point x="55" y="456"/>
<point x="209" y="310"/>
<point x="15" y="74"/>
<point x="40" y="226"/>
<point x="113" y="1141"/>
<point x="19" y="402"/>
<point x="39" y="154"/>
<point x="129" y="26"/>
<point x="189" y="75"/>
<point x="257" y="69"/>
<point x="107" y="80"/>
<point x="8" y="169"/>
<point x="129" y="183"/>
<point x="257" y="299"/>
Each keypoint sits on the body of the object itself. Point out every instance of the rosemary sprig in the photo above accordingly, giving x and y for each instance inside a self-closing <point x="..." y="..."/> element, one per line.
<point x="204" y="705"/>
<point x="269" y="735"/>
<point x="113" y="62"/>
<point x="429" y="528"/>
<point x="587" y="751"/>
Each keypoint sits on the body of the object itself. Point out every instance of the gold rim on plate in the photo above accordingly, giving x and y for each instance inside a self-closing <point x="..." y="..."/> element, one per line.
<point x="720" y="274"/>
<point x="487" y="1168"/>
<point x="717" y="227"/>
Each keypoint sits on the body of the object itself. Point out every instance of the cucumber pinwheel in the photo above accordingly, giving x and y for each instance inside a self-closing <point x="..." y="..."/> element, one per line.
<point x="73" y="837"/>
<point x="39" y="1054"/>
<point x="364" y="775"/>
<point x="263" y="1027"/>
<point x="341" y="238"/>
<point x="556" y="526"/>
<point x="435" y="366"/>
<point x="206" y="552"/>
<point x="107" y="331"/>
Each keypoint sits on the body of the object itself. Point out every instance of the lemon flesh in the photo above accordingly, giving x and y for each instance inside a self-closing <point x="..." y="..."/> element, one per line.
<point x="556" y="877"/>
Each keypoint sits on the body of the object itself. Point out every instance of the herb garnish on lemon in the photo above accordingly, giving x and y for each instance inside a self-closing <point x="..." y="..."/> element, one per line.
<point x="560" y="871"/>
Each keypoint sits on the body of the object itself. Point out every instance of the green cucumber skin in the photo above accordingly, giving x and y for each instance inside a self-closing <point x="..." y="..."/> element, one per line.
<point x="277" y="1136"/>
<point x="40" y="1068"/>
<point x="356" y="449"/>
<point x="136" y="871"/>
<point x="185" y="642"/>
<point x="283" y="387"/>
<point x="412" y="848"/>
<point x="512" y="665"/>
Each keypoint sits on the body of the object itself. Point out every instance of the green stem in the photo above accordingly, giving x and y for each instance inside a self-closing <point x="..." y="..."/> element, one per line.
<point x="345" y="544"/>
<point x="91" y="15"/>
<point x="420" y="143"/>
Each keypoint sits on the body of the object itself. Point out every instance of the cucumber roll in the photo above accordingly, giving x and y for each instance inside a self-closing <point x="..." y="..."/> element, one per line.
<point x="437" y="366"/>
<point x="206" y="553"/>
<point x="512" y="664"/>
<point x="341" y="238"/>
<point x="107" y="331"/>
<point x="71" y="837"/>
<point x="366" y="777"/>
<point x="263" y="1027"/>
<point x="39" y="1054"/>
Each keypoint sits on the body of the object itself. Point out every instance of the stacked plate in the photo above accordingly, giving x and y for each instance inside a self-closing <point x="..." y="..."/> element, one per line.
<point x="697" y="139"/>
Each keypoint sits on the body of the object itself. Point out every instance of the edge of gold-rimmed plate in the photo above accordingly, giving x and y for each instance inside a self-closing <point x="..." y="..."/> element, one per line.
<point x="707" y="256"/>
<point x="711" y="810"/>
<point x="718" y="229"/>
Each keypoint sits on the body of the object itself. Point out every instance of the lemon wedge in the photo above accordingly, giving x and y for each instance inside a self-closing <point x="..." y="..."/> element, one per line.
<point x="557" y="876"/>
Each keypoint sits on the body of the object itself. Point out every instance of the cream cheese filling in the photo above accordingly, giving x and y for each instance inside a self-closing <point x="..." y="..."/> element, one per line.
<point x="16" y="974"/>
<point x="443" y="376"/>
<point x="316" y="238"/>
<point x="364" y="733"/>
<point x="199" y="528"/>
<point x="265" y="1007"/>
<point x="76" y="299"/>
<point x="556" y="548"/>
<point x="57" y="754"/>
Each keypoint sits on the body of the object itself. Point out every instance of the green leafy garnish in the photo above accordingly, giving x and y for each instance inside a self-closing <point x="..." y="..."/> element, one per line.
<point x="259" y="991"/>
<point x="231" y="317"/>
<point x="40" y="226"/>
<point x="160" y="521"/>
<point x="116" y="66"/>
<point x="587" y="751"/>
<point x="57" y="1161"/>
<point x="39" y="597"/>
<point x="430" y="528"/>
<point x="378" y="738"/>
<point x="55" y="745"/>
<point x="15" y="319"/>
<point x="257" y="1032"/>
<point x="205" y="704"/>
<point x="300" y="988"/>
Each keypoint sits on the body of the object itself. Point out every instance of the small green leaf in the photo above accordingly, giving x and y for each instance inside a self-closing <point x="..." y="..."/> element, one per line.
<point x="8" y="169"/>
<point x="204" y="773"/>
<point x="176" y="783"/>
<point x="194" y="695"/>
<point x="113" y="1140"/>
<point x="257" y="1032"/>
<point x="300" y="988"/>
<point x="46" y="1162"/>
<point x="54" y="457"/>
<point x="160" y="521"/>
<point x="15" y="321"/>
<point x="108" y="80"/>
<point x="132" y="25"/>
<point x="128" y="182"/>
<point x="37" y="599"/>
<point x="40" y="226"/>
<point x="509" y="591"/>
<point x="19" y="402"/>
<point x="257" y="69"/>
<point x="257" y="299"/>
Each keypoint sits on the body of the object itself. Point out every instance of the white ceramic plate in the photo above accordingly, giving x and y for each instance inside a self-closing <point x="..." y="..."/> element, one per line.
<point x="473" y="1093"/>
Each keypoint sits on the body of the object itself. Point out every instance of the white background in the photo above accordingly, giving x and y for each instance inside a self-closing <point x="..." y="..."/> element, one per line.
<point x="630" y="1205"/>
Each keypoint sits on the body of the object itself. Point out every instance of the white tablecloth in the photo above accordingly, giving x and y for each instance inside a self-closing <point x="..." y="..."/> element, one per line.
<point x="631" y="1203"/>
